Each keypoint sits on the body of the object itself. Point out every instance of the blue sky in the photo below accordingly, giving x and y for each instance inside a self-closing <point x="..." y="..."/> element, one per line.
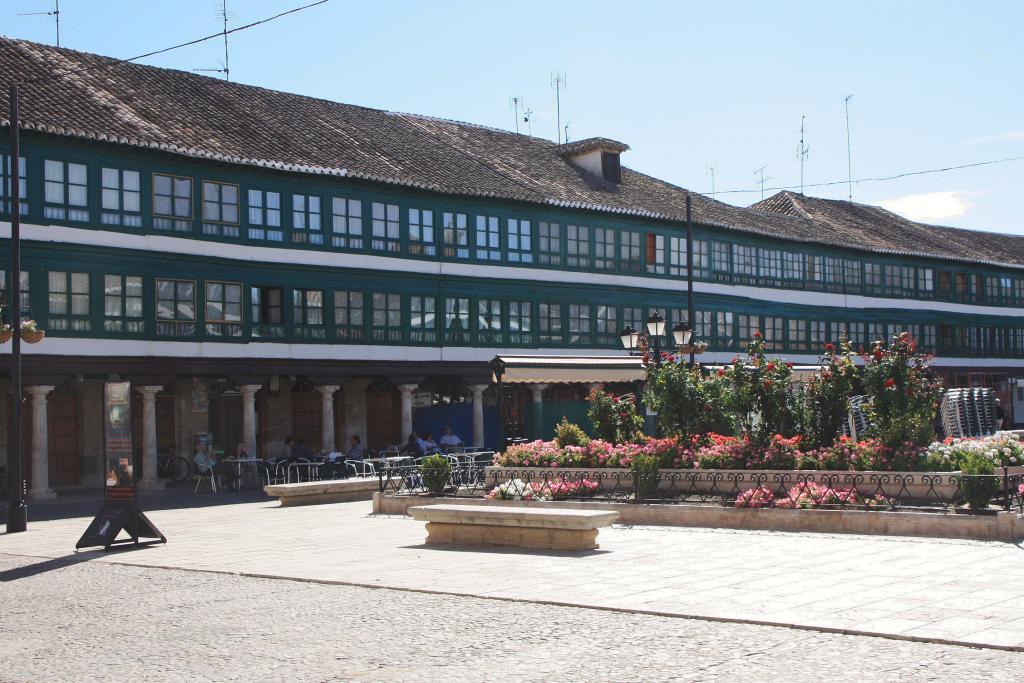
<point x="685" y="84"/>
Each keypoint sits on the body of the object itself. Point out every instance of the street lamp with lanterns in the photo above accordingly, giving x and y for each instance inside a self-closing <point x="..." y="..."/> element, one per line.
<point x="639" y="343"/>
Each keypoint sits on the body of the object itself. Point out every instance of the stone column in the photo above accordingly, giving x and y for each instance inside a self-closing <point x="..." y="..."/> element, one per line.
<point x="249" y="417"/>
<point x="327" y="423"/>
<point x="40" y="444"/>
<point x="149" y="464"/>
<point x="478" y="414"/>
<point x="355" y="409"/>
<point x="405" y="390"/>
<point x="537" y="413"/>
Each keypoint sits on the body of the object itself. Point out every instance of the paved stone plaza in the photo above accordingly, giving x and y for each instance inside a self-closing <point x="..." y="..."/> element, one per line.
<point x="236" y="623"/>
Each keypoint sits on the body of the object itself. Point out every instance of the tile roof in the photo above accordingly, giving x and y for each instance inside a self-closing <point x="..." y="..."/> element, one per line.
<point x="588" y="144"/>
<point x="876" y="229"/>
<point x="71" y="93"/>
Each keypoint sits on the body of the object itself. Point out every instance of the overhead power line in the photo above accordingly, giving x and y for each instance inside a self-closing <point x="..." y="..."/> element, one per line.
<point x="218" y="34"/>
<point x="876" y="179"/>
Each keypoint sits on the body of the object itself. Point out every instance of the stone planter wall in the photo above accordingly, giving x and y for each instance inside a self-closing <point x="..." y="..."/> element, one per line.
<point x="1003" y="526"/>
<point x="919" y="485"/>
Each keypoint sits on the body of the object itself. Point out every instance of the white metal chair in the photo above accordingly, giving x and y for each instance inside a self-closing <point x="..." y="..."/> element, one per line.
<point x="204" y="473"/>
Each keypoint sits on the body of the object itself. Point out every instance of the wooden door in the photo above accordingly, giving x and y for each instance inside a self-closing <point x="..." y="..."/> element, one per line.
<point x="383" y="418"/>
<point x="65" y="451"/>
<point x="226" y="422"/>
<point x="308" y="418"/>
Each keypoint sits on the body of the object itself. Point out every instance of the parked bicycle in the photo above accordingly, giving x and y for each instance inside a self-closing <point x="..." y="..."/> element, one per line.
<point x="173" y="466"/>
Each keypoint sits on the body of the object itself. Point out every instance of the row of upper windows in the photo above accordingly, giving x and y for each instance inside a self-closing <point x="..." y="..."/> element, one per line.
<point x="216" y="310"/>
<point x="339" y="222"/>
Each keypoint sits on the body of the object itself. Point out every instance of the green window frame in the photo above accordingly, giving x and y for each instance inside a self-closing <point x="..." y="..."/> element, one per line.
<point x="455" y="235"/>
<point x="422" y="319"/>
<point x="629" y="251"/>
<point x="5" y="184"/>
<point x="489" y="329"/>
<point x="456" y="320"/>
<point x="520" y="323"/>
<point x="744" y="262"/>
<point x="550" y="330"/>
<point x="926" y="283"/>
<point x="267" y="310"/>
<point x="772" y="329"/>
<point x="65" y="190"/>
<point x="385" y="227"/>
<point x="123" y="304"/>
<point x="725" y="334"/>
<point x="307" y="224"/>
<point x="25" y="297"/>
<point x="220" y="209"/>
<point x="606" y="325"/>
<point x="349" y="319"/>
<point x="793" y="266"/>
<point x="68" y="304"/>
<point x="308" y="313"/>
<point x="577" y="246"/>
<point x="223" y="313"/>
<point x="346" y="223"/>
<point x="175" y="307"/>
<point x="634" y="317"/>
<point x="851" y="275"/>
<point x="549" y="243"/>
<point x="519" y="234"/>
<point x="818" y="335"/>
<point x="579" y="324"/>
<point x="421" y="232"/>
<point x="857" y="333"/>
<point x="120" y="197"/>
<point x="769" y="264"/>
<point x="604" y="248"/>
<point x="654" y="253"/>
<point x="172" y="202"/>
<point x="873" y="278"/>
<point x="797" y="338"/>
<point x="720" y="266"/>
<point x="265" y="216"/>
<point x="386" y="320"/>
<point x="747" y="325"/>
<point x="488" y="238"/>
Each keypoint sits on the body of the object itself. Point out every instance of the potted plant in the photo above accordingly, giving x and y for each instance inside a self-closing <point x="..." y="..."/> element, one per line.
<point x="31" y="333"/>
<point x="645" y="476"/>
<point x="6" y="332"/>
<point x="436" y="471"/>
<point x="978" y="482"/>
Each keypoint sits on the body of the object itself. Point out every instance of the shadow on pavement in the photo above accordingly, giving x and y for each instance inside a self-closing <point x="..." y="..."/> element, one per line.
<point x="44" y="566"/>
<point x="504" y="550"/>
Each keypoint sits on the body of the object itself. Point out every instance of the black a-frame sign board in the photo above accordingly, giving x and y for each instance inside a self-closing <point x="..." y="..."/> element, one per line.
<point x="120" y="511"/>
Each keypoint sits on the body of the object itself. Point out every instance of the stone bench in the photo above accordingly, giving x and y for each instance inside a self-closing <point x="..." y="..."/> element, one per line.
<point x="327" y="491"/>
<point x="550" y="529"/>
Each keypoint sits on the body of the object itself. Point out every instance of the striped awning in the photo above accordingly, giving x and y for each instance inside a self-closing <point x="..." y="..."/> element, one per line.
<point x="565" y="369"/>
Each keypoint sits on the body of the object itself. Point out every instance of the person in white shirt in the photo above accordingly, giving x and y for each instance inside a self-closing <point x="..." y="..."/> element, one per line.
<point x="449" y="440"/>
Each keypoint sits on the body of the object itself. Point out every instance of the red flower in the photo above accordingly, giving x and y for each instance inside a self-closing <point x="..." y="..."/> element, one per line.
<point x="789" y="365"/>
<point x="770" y="367"/>
<point x="878" y="354"/>
<point x="721" y="372"/>
<point x="890" y="383"/>
<point x="757" y="334"/>
<point x="830" y="347"/>
<point x="767" y="384"/>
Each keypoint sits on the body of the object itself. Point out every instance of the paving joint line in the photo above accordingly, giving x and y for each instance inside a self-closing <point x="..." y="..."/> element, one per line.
<point x="574" y="605"/>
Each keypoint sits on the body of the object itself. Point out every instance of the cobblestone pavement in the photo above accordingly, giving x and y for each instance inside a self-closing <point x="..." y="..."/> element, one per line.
<point x="73" y="619"/>
<point x="962" y="591"/>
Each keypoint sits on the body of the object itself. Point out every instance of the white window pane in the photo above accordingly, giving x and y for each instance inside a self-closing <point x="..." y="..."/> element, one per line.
<point x="77" y="174"/>
<point x="54" y="170"/>
<point x="130" y="180"/>
<point x="131" y="202"/>
<point x="111" y="177"/>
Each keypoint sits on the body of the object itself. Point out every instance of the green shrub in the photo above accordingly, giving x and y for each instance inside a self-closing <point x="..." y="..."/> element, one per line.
<point x="645" y="475"/>
<point x="615" y="418"/>
<point x="761" y="395"/>
<point x="904" y="393"/>
<point x="828" y="394"/>
<point x="569" y="434"/>
<point x="436" y="470"/>
<point x="978" y="488"/>
<point x="688" y="402"/>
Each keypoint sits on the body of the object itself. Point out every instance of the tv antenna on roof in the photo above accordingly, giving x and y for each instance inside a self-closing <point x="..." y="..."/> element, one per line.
<point x="802" y="150"/>
<point x="55" y="13"/>
<point x="528" y="120"/>
<point x="849" y="162"/>
<point x="567" y="131"/>
<point x="711" y="171"/>
<point x="762" y="180"/>
<point x="515" y="101"/>
<point x="221" y="12"/>
<point x="558" y="82"/>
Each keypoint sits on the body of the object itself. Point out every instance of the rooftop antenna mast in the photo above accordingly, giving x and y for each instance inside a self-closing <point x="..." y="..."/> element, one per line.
<point x="762" y="179"/>
<point x="567" y="131"/>
<point x="558" y="82"/>
<point x="528" y="120"/>
<point x="711" y="171"/>
<point x="55" y="13"/>
<point x="515" y="108"/>
<point x="849" y="162"/>
<point x="221" y="12"/>
<point x="802" y="151"/>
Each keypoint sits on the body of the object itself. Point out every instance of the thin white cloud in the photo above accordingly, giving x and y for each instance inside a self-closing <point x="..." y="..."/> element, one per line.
<point x="931" y="206"/>
<point x="1008" y="136"/>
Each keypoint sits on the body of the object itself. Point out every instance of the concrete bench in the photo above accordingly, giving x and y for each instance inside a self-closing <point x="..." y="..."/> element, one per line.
<point x="550" y="529"/>
<point x="327" y="491"/>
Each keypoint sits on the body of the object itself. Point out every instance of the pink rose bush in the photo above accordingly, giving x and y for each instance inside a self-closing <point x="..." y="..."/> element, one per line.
<point x="553" y="489"/>
<point x="807" y="495"/>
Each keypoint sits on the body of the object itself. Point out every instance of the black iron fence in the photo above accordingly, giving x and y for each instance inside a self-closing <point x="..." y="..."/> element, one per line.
<point x="795" y="490"/>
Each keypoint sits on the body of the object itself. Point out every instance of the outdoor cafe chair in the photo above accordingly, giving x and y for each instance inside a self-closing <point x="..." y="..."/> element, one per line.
<point x="204" y="473"/>
<point x="360" y="468"/>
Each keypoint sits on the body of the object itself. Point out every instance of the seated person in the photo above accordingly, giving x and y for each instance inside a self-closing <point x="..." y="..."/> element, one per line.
<point x="429" y="445"/>
<point x="206" y="464"/>
<point x="414" y="446"/>
<point x="449" y="440"/>
<point x="240" y="452"/>
<point x="356" y="450"/>
<point x="300" y="451"/>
